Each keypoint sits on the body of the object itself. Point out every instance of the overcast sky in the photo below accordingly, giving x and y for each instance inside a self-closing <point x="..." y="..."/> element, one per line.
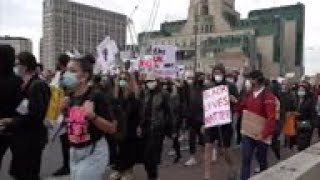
<point x="23" y="18"/>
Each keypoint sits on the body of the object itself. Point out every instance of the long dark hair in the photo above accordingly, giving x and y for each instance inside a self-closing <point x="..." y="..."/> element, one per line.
<point x="86" y="65"/>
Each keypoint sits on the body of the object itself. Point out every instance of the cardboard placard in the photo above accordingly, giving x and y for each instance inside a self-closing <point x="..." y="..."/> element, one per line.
<point x="252" y="125"/>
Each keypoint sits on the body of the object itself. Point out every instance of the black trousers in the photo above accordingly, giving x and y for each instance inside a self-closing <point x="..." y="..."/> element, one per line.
<point x="65" y="146"/>
<point x="152" y="143"/>
<point x="4" y="145"/>
<point x="26" y="157"/>
<point x="127" y="155"/>
<point x="194" y="132"/>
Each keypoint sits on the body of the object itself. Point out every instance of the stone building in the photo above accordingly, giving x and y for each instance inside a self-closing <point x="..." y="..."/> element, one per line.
<point x="69" y="25"/>
<point x="269" y="39"/>
<point x="19" y="44"/>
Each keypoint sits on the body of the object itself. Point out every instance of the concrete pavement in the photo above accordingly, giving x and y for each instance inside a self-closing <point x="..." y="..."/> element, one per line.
<point x="168" y="171"/>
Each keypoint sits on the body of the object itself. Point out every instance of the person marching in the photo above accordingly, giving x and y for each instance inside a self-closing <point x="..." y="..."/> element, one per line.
<point x="223" y="133"/>
<point x="89" y="118"/>
<point x="155" y="107"/>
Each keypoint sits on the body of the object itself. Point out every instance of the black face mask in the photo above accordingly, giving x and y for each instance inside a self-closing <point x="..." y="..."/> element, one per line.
<point x="169" y="88"/>
<point x="200" y="81"/>
<point x="58" y="68"/>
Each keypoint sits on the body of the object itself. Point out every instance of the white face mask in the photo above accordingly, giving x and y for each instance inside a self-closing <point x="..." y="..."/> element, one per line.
<point x="189" y="81"/>
<point x="207" y="82"/>
<point x="248" y="85"/>
<point x="218" y="78"/>
<point x="16" y="71"/>
<point x="230" y="80"/>
<point x="152" y="85"/>
<point x="165" y="87"/>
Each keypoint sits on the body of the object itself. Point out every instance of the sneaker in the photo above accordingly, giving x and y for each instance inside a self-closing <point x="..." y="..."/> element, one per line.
<point x="191" y="162"/>
<point x="177" y="159"/>
<point x="257" y="170"/>
<point x="128" y="175"/>
<point x="171" y="153"/>
<point x="184" y="148"/>
<point x="64" y="171"/>
<point x="115" y="175"/>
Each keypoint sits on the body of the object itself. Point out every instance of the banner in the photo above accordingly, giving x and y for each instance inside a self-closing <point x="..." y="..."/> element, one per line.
<point x="216" y="106"/>
<point x="106" y="52"/>
<point x="164" y="57"/>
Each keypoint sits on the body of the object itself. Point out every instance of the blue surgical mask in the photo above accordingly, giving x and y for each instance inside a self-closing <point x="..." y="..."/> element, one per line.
<point x="123" y="83"/>
<point x="301" y="93"/>
<point x="69" y="80"/>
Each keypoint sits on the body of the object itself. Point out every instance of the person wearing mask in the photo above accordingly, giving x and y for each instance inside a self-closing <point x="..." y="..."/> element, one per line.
<point x="305" y="116"/>
<point x="155" y="108"/>
<point x="29" y="134"/>
<point x="259" y="101"/>
<point x="287" y="101"/>
<point x="127" y="107"/>
<point x="10" y="96"/>
<point x="61" y="68"/>
<point x="223" y="133"/>
<point x="89" y="116"/>
<point x="194" y="113"/>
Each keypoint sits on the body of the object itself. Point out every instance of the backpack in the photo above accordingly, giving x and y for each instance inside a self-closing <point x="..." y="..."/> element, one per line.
<point x="53" y="111"/>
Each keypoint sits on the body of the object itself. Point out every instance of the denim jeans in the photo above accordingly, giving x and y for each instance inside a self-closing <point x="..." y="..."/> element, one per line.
<point x="89" y="163"/>
<point x="248" y="148"/>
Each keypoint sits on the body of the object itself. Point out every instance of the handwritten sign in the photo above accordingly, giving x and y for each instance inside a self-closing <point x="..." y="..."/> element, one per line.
<point x="216" y="106"/>
<point x="164" y="57"/>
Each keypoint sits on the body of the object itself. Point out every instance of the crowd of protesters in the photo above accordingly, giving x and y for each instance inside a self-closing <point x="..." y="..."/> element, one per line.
<point x="122" y="119"/>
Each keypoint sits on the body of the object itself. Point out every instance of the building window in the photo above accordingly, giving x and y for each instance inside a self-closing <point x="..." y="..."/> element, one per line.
<point x="211" y="28"/>
<point x="207" y="28"/>
<point x="204" y="8"/>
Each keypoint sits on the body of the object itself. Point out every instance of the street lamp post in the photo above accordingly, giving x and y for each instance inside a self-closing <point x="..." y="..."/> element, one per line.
<point x="196" y="47"/>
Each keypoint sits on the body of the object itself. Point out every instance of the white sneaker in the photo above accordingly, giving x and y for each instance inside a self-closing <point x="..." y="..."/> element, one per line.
<point x="214" y="155"/>
<point x="191" y="162"/>
<point x="257" y="170"/>
<point x="115" y="175"/>
<point x="171" y="153"/>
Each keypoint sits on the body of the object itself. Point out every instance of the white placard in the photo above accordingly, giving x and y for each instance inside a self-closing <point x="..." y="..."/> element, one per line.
<point x="164" y="57"/>
<point x="106" y="52"/>
<point x="216" y="106"/>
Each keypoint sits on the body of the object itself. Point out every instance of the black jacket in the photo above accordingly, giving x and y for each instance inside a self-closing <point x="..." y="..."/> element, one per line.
<point x="10" y="95"/>
<point x="37" y="93"/>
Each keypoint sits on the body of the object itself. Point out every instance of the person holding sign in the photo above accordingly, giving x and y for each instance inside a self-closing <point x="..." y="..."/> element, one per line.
<point x="259" y="111"/>
<point x="89" y="116"/>
<point x="218" y="118"/>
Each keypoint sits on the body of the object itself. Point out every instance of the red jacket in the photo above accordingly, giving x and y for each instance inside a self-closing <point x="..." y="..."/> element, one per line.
<point x="264" y="105"/>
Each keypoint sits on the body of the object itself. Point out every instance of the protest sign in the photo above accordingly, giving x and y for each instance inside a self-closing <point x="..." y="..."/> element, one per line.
<point x="252" y="125"/>
<point x="106" y="52"/>
<point x="216" y="106"/>
<point x="146" y="64"/>
<point x="164" y="57"/>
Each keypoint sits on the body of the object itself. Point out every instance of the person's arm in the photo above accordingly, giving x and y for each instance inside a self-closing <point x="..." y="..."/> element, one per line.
<point x="107" y="126"/>
<point x="270" y="110"/>
<point x="38" y="100"/>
